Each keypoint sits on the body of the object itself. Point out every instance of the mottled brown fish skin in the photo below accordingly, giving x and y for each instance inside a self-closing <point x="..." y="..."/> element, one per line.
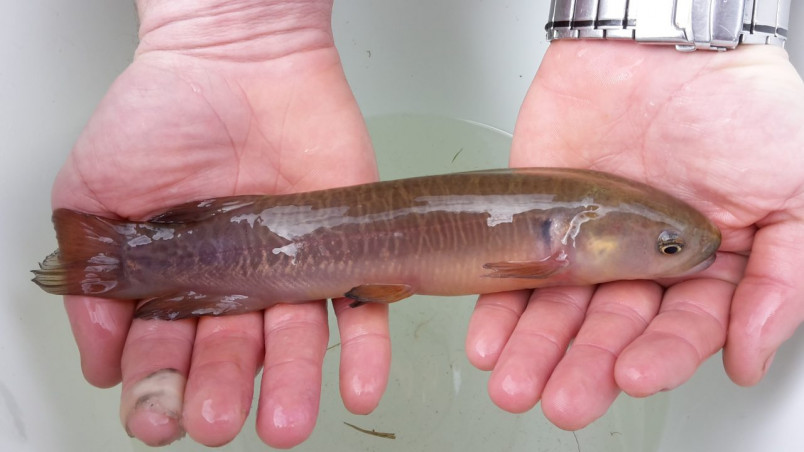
<point x="452" y="234"/>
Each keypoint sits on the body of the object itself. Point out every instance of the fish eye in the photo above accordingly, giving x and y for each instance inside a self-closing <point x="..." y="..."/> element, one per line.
<point x="670" y="243"/>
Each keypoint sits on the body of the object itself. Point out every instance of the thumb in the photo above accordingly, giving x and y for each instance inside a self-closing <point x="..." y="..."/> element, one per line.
<point x="768" y="304"/>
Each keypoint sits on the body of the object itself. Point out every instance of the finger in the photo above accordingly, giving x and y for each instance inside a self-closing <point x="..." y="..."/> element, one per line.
<point x="295" y="339"/>
<point x="690" y="327"/>
<point x="538" y="342"/>
<point x="226" y="355"/>
<point x="100" y="327"/>
<point x="768" y="304"/>
<point x="491" y="325"/>
<point x="155" y="362"/>
<point x="582" y="386"/>
<point x="365" y="354"/>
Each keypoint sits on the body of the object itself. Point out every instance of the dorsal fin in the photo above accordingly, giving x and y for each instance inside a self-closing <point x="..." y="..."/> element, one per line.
<point x="194" y="211"/>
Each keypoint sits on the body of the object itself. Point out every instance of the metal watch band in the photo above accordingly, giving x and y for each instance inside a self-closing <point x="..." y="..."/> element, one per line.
<point x="687" y="24"/>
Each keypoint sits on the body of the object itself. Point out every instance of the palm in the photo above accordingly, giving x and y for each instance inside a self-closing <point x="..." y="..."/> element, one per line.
<point x="174" y="129"/>
<point x="689" y="124"/>
<point x="160" y="138"/>
<point x="703" y="128"/>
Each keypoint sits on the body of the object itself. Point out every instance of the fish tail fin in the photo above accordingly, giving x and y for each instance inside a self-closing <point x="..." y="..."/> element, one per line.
<point x="88" y="261"/>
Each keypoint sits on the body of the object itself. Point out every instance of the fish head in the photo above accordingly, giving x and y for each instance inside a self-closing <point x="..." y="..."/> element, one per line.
<point x="644" y="240"/>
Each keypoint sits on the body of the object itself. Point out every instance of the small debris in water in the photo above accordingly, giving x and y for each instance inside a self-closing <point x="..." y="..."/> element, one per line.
<point x="372" y="432"/>
<point x="457" y="154"/>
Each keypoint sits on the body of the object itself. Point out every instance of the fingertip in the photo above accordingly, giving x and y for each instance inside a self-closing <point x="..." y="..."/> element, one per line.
<point x="100" y="375"/>
<point x="637" y="381"/>
<point x="484" y="343"/>
<point x="100" y="328"/>
<point x="284" y="423"/>
<point x="215" y="406"/>
<point x="746" y="372"/>
<point x="214" y="422"/>
<point x="581" y="389"/>
<point x="364" y="374"/>
<point x="154" y="428"/>
<point x="560" y="404"/>
<point x="561" y="412"/>
<point x="361" y="395"/>
<point x="639" y="373"/>
<point x="514" y="390"/>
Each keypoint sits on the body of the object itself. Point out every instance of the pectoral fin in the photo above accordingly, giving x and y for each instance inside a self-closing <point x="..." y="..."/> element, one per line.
<point x="378" y="293"/>
<point x="528" y="269"/>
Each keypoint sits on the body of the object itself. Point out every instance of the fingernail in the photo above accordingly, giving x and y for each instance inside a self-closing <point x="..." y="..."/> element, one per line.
<point x="768" y="363"/>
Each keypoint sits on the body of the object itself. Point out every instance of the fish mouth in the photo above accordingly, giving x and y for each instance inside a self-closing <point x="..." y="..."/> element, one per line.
<point x="710" y="251"/>
<point x="701" y="266"/>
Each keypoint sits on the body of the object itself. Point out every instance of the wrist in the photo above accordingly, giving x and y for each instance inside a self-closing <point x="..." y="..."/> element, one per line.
<point x="247" y="30"/>
<point x="702" y="24"/>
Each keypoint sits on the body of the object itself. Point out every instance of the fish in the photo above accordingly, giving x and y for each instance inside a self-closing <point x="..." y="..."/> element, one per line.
<point x="451" y="234"/>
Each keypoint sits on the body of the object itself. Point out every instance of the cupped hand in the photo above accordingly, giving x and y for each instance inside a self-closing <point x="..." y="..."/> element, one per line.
<point x="223" y="98"/>
<point x="721" y="131"/>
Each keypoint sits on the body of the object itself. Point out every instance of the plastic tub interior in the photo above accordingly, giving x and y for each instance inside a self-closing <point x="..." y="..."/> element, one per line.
<point x="440" y="83"/>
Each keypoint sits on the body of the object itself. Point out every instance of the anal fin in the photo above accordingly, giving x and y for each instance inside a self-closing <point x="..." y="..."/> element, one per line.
<point x="378" y="293"/>
<point x="191" y="304"/>
<point x="528" y="269"/>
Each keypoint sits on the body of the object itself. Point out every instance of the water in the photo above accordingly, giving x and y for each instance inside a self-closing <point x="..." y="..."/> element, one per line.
<point x="420" y="145"/>
<point x="435" y="399"/>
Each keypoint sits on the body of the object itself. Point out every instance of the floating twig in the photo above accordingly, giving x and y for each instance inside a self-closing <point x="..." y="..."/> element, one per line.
<point x="372" y="432"/>
<point x="457" y="154"/>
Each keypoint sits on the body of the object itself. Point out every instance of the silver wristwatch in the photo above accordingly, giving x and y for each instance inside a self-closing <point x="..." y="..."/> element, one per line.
<point x="687" y="24"/>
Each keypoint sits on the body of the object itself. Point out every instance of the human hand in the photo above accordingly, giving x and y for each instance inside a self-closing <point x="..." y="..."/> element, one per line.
<point x="223" y="98"/>
<point x="721" y="131"/>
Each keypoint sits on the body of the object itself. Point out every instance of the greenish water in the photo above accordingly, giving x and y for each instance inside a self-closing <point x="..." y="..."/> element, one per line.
<point x="419" y="145"/>
<point x="436" y="401"/>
